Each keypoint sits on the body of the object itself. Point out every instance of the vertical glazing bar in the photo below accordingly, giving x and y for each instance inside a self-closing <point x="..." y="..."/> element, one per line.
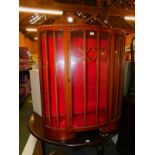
<point x="56" y="93"/>
<point x="108" y="75"/>
<point x="68" y="94"/>
<point x="111" y="77"/>
<point x="85" y="97"/>
<point x="97" y="77"/>
<point x="47" y="75"/>
<point x="41" y="75"/>
<point x="121" y="74"/>
<point x="69" y="78"/>
<point x="118" y="78"/>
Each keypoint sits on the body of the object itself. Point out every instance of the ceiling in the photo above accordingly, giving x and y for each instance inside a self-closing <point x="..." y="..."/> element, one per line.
<point x="108" y="13"/>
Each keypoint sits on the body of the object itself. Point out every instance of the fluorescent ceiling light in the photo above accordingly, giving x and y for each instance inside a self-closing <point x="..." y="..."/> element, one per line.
<point x="129" y="18"/>
<point x="31" y="29"/>
<point x="36" y="19"/>
<point x="37" y="10"/>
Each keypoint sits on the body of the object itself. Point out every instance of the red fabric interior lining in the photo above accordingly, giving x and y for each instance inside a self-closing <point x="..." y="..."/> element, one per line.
<point x="59" y="77"/>
<point x="52" y="80"/>
<point x="78" y="75"/>
<point x="77" y="82"/>
<point x="103" y="76"/>
<point x="91" y="73"/>
<point x="44" y="77"/>
<point x="60" y="71"/>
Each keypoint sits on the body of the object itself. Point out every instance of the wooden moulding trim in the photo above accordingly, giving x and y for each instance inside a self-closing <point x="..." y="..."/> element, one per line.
<point x="114" y="82"/>
<point x="115" y="78"/>
<point x="40" y="75"/>
<point x="76" y="129"/>
<point x="121" y="80"/>
<point x="118" y="79"/>
<point x="84" y="128"/>
<point x="67" y="84"/>
<point x="73" y="27"/>
<point x="120" y="71"/>
<point x="56" y="93"/>
<point x="59" y="134"/>
<point x="108" y="82"/>
<point x="110" y="127"/>
<point x="47" y="75"/>
<point x="70" y="79"/>
<point x="50" y="27"/>
<point x="87" y="128"/>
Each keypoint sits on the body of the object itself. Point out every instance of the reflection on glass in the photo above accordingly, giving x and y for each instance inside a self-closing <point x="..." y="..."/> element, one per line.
<point x="60" y="76"/>
<point x="77" y="68"/>
<point x="60" y="63"/>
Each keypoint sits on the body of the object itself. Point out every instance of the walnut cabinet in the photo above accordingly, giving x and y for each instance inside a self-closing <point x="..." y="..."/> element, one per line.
<point x="81" y="79"/>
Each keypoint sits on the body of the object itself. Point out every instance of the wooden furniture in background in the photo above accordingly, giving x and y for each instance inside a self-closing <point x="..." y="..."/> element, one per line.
<point x="24" y="81"/>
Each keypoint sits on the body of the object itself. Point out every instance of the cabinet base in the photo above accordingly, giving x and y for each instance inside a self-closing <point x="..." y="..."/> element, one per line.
<point x="110" y="127"/>
<point x="64" y="134"/>
<point x="59" y="134"/>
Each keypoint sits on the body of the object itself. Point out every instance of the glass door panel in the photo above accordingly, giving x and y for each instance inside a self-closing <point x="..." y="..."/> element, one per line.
<point x="77" y="60"/>
<point x="44" y="71"/>
<point x="91" y="76"/>
<point x="115" y="75"/>
<point x="103" y="74"/>
<point x="60" y="77"/>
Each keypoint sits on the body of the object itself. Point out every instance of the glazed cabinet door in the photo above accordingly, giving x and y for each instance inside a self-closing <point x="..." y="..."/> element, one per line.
<point x="77" y="75"/>
<point x="89" y="64"/>
<point x="117" y="74"/>
<point x="53" y="78"/>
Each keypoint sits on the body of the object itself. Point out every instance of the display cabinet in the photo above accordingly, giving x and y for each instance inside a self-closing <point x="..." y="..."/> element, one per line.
<point x="80" y="78"/>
